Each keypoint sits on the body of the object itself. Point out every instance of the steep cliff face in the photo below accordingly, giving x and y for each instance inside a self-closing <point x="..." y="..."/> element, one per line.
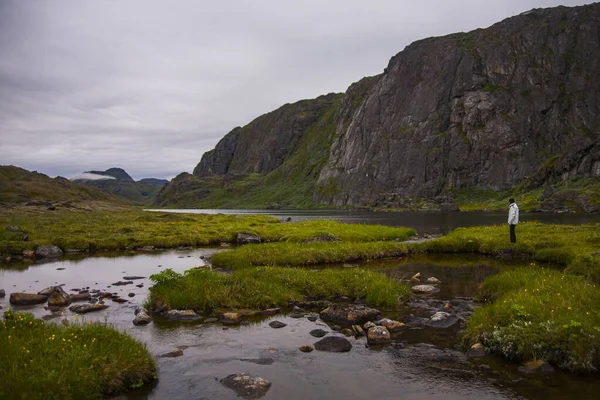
<point x="509" y="109"/>
<point x="486" y="109"/>
<point x="265" y="143"/>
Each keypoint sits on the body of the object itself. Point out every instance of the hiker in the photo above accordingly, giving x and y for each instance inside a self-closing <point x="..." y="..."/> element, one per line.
<point x="513" y="219"/>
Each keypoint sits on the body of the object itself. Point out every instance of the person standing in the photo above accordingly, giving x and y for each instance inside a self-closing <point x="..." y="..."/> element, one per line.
<point x="513" y="219"/>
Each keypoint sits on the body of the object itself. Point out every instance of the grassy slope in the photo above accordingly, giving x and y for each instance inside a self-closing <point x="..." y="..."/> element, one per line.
<point x="291" y="185"/>
<point x="42" y="361"/>
<point x="18" y="185"/>
<point x="137" y="192"/>
<point x="262" y="287"/>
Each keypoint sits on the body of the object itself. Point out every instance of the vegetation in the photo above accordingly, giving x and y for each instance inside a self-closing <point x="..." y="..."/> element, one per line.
<point x="298" y="254"/>
<point x="131" y="228"/>
<point x="540" y="314"/>
<point x="260" y="287"/>
<point x="85" y="361"/>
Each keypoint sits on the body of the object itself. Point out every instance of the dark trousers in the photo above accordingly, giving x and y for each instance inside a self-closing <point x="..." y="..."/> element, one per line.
<point x="513" y="235"/>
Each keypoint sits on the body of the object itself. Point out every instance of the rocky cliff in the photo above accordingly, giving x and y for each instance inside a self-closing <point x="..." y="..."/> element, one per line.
<point x="507" y="109"/>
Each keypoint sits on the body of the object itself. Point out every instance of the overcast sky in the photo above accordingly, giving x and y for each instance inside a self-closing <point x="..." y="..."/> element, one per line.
<point x="149" y="86"/>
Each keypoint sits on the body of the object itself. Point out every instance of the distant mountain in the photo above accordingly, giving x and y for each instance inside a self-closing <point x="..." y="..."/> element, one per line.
<point x="120" y="183"/>
<point x="19" y="186"/>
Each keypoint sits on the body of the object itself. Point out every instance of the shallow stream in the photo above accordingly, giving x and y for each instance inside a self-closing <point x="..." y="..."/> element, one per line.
<point x="423" y="363"/>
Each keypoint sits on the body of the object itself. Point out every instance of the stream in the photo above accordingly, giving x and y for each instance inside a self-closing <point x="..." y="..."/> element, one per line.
<point x="423" y="363"/>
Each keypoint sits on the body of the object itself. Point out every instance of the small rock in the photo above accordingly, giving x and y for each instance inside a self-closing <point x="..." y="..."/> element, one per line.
<point x="524" y="370"/>
<point x="141" y="317"/>
<point x="118" y="300"/>
<point x="131" y="295"/>
<point x="312" y="317"/>
<point x="247" y="386"/>
<point x="433" y="280"/>
<point x="247" y="238"/>
<point x="141" y="285"/>
<point x="172" y="354"/>
<point x="442" y="319"/>
<point x="424" y="289"/>
<point x="188" y="315"/>
<point x="318" y="333"/>
<point x="333" y="344"/>
<point x="81" y="297"/>
<point x="349" y="266"/>
<point x="296" y="315"/>
<point x="369" y="325"/>
<point x="132" y="278"/>
<point x="336" y="328"/>
<point x="48" y="251"/>
<point x="349" y="314"/>
<point x="28" y="253"/>
<point x="378" y="335"/>
<point x="358" y="330"/>
<point x="230" y="318"/>
<point x="391" y="325"/>
<point x="122" y="283"/>
<point x="209" y="320"/>
<point x="306" y="349"/>
<point x="26" y="299"/>
<point x="476" y="351"/>
<point x="270" y="311"/>
<point x="277" y="324"/>
<point x="2" y="293"/>
<point x="59" y="297"/>
<point x="86" y="308"/>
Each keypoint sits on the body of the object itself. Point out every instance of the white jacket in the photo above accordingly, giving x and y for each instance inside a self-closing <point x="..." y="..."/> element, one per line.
<point x="513" y="214"/>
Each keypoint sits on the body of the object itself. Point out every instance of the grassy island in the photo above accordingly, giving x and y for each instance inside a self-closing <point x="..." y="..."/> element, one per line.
<point x="81" y="361"/>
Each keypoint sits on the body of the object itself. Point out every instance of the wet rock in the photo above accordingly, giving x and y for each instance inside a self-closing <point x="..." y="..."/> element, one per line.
<point x="122" y="283"/>
<point x="296" y="315"/>
<point x="524" y="370"/>
<point x="60" y="269"/>
<point x="59" y="297"/>
<point x="131" y="294"/>
<point x="209" y="320"/>
<point x="424" y="289"/>
<point x="48" y="251"/>
<point x="378" y="335"/>
<point x="476" y="351"/>
<point x="433" y="280"/>
<point x="141" y="317"/>
<point x="391" y="325"/>
<point x="247" y="386"/>
<point x="347" y="332"/>
<point x="86" y="308"/>
<point x="230" y="318"/>
<point x="369" y="325"/>
<point x="119" y="300"/>
<point x="358" y="330"/>
<point x="28" y="253"/>
<point x="81" y="297"/>
<point x="349" y="314"/>
<point x="413" y="321"/>
<point x="187" y="315"/>
<point x="306" y="349"/>
<point x="2" y="293"/>
<point x="442" y="319"/>
<point x="259" y="361"/>
<point x="172" y="354"/>
<point x="416" y="278"/>
<point x="52" y="316"/>
<point x="47" y="291"/>
<point x="247" y="238"/>
<point x="333" y="344"/>
<point x="312" y="317"/>
<point x="336" y="328"/>
<point x="26" y="299"/>
<point x="277" y="324"/>
<point x="318" y="333"/>
<point x="132" y="278"/>
<point x="297" y="309"/>
<point x="270" y="311"/>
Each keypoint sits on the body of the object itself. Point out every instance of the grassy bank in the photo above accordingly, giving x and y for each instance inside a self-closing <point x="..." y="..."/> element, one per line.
<point x="299" y="254"/>
<point x="261" y="287"/>
<point x="41" y="361"/>
<point x="540" y="315"/>
<point x="131" y="228"/>
<point x="572" y="245"/>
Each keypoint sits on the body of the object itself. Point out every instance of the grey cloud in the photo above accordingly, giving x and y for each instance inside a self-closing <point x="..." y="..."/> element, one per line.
<point x="149" y="86"/>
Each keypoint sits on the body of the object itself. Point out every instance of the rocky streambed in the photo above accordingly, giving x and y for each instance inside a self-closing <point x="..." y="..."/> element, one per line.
<point x="316" y="350"/>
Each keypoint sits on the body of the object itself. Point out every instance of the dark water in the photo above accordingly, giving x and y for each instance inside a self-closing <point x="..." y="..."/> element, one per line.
<point x="421" y="364"/>
<point x="422" y="221"/>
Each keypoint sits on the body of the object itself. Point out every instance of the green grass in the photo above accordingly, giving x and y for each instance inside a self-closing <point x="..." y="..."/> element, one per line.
<point x="46" y="361"/>
<point x="260" y="287"/>
<point x="120" y="229"/>
<point x="540" y="314"/>
<point x="299" y="254"/>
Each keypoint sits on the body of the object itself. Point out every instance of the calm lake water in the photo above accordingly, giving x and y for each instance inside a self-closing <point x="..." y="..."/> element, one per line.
<point x="422" y="221"/>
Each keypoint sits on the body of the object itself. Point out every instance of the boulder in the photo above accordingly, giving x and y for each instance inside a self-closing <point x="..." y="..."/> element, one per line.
<point x="433" y="280"/>
<point x="141" y="317"/>
<point x="334" y="344"/>
<point x="247" y="238"/>
<point x="277" y="324"/>
<point x="26" y="299"/>
<point x="378" y="335"/>
<point x="28" y="253"/>
<point x="247" y="386"/>
<point x="318" y="333"/>
<point x="86" y="308"/>
<point x="231" y="318"/>
<point x="476" y="351"/>
<point x="424" y="289"/>
<point x="48" y="251"/>
<point x="349" y="314"/>
<point x="442" y="319"/>
<point x="187" y="315"/>
<point x="59" y="298"/>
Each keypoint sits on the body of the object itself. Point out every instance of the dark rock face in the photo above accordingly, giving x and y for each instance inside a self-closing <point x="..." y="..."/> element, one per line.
<point x="334" y="344"/>
<point x="514" y="104"/>
<point x="484" y="109"/>
<point x="263" y="144"/>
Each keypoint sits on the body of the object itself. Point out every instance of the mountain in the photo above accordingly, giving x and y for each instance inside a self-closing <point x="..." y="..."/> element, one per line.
<point x="19" y="186"/>
<point x="121" y="184"/>
<point x="469" y="118"/>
